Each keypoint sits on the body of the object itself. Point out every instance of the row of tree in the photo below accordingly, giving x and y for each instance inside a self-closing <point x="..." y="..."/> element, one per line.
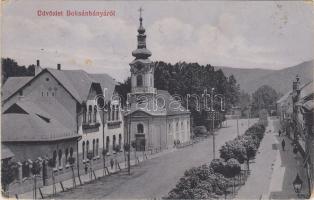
<point x="210" y="181"/>
<point x="10" y="68"/>
<point x="244" y="147"/>
<point x="264" y="98"/>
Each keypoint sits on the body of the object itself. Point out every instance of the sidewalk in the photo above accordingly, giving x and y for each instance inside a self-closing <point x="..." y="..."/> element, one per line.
<point x="47" y="191"/>
<point x="259" y="179"/>
<point x="274" y="170"/>
<point x="286" y="168"/>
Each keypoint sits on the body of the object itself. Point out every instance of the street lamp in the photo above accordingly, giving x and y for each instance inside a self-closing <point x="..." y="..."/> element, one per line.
<point x="297" y="184"/>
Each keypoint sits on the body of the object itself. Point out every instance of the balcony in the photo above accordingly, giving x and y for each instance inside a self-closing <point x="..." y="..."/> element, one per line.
<point x="114" y="124"/>
<point x="90" y="125"/>
<point x="144" y="90"/>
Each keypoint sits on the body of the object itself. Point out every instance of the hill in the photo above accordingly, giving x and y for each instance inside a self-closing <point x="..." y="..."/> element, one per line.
<point x="280" y="80"/>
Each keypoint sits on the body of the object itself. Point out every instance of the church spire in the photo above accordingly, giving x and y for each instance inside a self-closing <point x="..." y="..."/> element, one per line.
<point x="141" y="52"/>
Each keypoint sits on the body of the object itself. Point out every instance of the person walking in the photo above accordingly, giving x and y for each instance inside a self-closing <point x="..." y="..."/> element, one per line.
<point x="283" y="144"/>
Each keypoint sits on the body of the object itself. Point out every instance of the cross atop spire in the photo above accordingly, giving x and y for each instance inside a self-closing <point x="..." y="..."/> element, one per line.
<point x="140" y="10"/>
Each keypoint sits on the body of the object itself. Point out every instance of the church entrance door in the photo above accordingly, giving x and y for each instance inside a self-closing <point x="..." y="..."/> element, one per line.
<point x="140" y="142"/>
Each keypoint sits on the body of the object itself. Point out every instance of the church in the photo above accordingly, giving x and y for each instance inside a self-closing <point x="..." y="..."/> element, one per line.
<point x="155" y="120"/>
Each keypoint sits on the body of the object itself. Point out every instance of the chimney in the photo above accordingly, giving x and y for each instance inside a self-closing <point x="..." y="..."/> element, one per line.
<point x="37" y="67"/>
<point x="59" y="66"/>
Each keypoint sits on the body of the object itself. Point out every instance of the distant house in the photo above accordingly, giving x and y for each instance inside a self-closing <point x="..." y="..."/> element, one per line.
<point x="234" y="113"/>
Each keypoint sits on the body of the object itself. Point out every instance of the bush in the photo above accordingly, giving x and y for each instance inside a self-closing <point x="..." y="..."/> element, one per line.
<point x="200" y="131"/>
<point x="218" y="166"/>
<point x="232" y="168"/>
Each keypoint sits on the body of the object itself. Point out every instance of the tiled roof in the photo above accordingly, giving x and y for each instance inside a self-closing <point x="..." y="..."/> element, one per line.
<point x="26" y="121"/>
<point x="13" y="84"/>
<point x="77" y="82"/>
<point x="106" y="82"/>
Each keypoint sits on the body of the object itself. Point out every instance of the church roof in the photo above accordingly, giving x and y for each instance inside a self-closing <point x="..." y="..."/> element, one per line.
<point x="26" y="121"/>
<point x="173" y="107"/>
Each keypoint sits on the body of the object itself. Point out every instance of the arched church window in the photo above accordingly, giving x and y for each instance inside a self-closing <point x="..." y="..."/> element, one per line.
<point x="140" y="128"/>
<point x="139" y="80"/>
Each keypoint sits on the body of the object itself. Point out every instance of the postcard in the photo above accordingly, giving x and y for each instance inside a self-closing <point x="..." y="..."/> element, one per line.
<point x="157" y="99"/>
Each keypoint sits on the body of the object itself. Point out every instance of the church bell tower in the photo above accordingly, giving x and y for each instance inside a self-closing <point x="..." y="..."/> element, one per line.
<point x="142" y="70"/>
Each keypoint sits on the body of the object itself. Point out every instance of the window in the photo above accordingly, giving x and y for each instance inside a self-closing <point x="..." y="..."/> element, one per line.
<point x="114" y="142"/>
<point x="117" y="112"/>
<point x="177" y="126"/>
<point x="83" y="150"/>
<point x="53" y="94"/>
<point x="47" y="79"/>
<point x="42" y="94"/>
<point x="140" y="128"/>
<point x="107" y="143"/>
<point x="151" y="80"/>
<point x="47" y="94"/>
<point x="97" y="146"/>
<point x="120" y="140"/>
<point x="84" y="113"/>
<point x="21" y="92"/>
<point x="139" y="81"/>
<point x="90" y="110"/>
<point x="109" y="113"/>
<point x="182" y="127"/>
<point x="95" y="113"/>
<point x="60" y="157"/>
<point x="112" y="113"/>
<point x="87" y="147"/>
<point x="93" y="147"/>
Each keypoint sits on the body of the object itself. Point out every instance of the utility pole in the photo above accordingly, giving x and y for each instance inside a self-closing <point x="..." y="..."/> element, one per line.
<point x="213" y="117"/>
<point x="129" y="145"/>
<point x="238" y="125"/>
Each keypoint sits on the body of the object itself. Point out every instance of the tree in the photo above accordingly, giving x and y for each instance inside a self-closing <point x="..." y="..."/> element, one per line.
<point x="72" y="161"/>
<point x="11" y="68"/>
<point x="264" y="97"/>
<point x="36" y="168"/>
<point x="52" y="165"/>
<point x="9" y="172"/>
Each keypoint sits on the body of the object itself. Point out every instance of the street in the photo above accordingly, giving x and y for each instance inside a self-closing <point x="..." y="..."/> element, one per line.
<point x="156" y="177"/>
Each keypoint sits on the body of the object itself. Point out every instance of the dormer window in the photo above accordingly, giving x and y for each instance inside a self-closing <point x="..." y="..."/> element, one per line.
<point x="21" y="92"/>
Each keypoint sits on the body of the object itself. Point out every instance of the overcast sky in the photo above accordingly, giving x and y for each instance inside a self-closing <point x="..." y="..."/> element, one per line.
<point x="262" y="34"/>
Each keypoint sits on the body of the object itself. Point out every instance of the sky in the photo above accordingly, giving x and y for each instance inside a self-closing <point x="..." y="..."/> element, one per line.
<point x="245" y="34"/>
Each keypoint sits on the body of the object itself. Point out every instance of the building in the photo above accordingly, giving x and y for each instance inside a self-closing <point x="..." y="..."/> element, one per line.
<point x="155" y="119"/>
<point x="56" y="114"/>
<point x="302" y="126"/>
